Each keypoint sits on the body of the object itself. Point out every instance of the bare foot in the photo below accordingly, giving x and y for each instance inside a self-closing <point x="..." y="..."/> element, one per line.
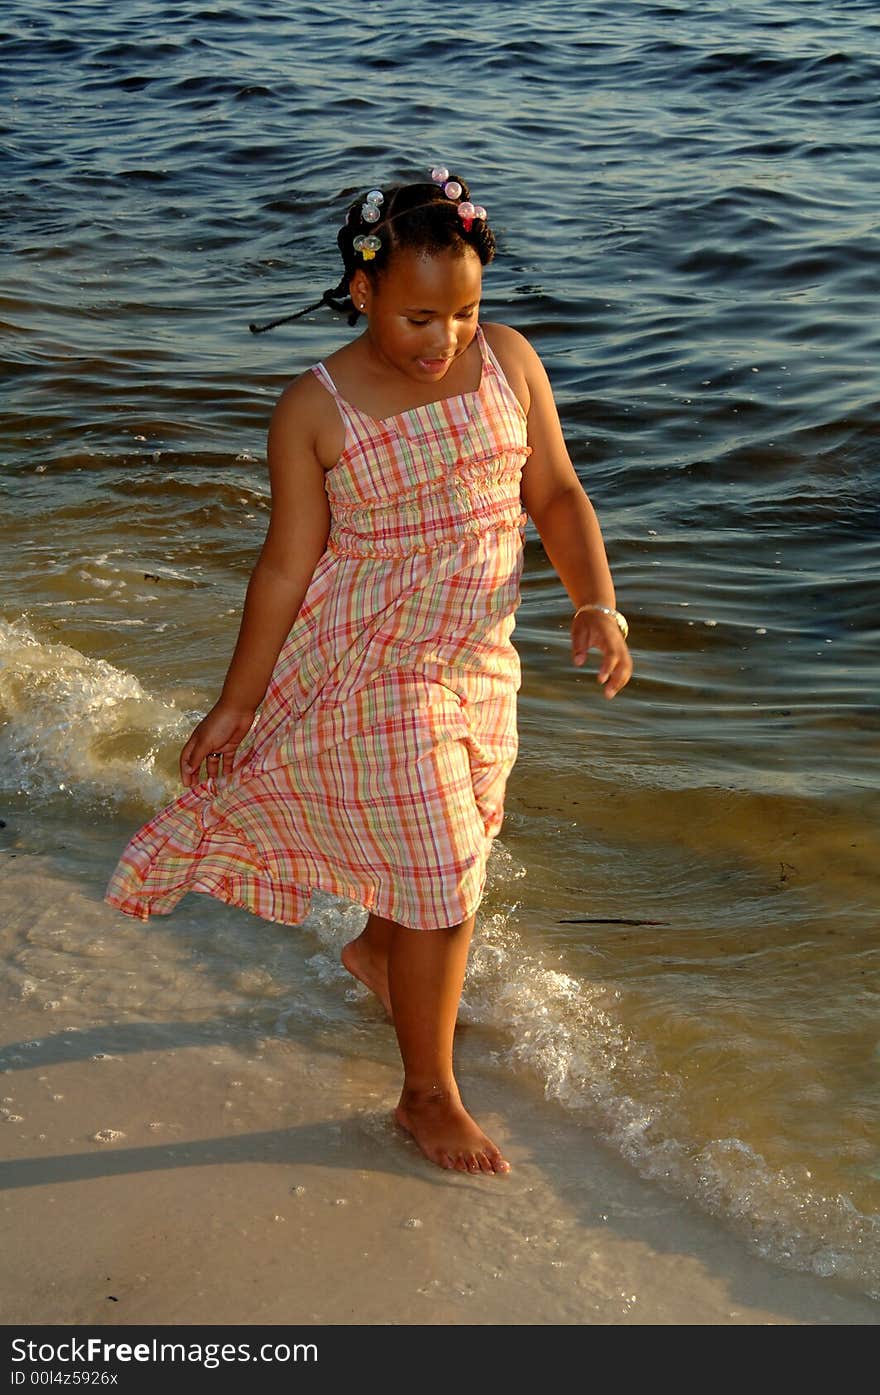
<point x="370" y="968"/>
<point x="446" y="1133"/>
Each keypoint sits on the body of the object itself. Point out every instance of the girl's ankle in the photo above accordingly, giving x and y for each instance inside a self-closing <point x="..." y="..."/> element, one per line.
<point x="429" y="1091"/>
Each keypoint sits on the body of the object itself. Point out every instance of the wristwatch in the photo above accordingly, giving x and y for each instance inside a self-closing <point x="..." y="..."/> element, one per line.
<point x="608" y="610"/>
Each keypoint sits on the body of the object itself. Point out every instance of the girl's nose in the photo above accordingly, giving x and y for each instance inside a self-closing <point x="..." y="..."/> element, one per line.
<point x="447" y="343"/>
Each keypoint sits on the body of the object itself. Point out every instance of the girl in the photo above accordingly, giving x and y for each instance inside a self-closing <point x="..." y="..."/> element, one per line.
<point x="366" y="729"/>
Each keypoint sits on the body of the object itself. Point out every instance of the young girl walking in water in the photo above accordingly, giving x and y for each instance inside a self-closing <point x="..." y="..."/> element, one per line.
<point x="366" y="729"/>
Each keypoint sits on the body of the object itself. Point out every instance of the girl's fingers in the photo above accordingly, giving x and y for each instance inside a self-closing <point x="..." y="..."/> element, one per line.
<point x="607" y="667"/>
<point x="611" y="654"/>
<point x="615" y="668"/>
<point x="190" y="765"/>
<point x="214" y="742"/>
<point x="618" y="676"/>
<point x="191" y="758"/>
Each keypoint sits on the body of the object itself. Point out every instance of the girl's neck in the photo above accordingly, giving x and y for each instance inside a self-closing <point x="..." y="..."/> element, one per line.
<point x="365" y="379"/>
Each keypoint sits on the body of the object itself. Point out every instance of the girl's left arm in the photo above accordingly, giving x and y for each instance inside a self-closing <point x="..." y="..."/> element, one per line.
<point x="560" y="509"/>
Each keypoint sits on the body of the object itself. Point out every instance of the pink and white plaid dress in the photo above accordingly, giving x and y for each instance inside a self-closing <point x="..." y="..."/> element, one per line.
<point x="376" y="767"/>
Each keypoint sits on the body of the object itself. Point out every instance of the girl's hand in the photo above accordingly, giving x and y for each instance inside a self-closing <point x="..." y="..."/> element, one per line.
<point x="216" y="738"/>
<point x="592" y="629"/>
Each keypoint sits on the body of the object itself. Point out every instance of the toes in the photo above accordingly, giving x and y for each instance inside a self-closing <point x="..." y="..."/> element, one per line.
<point x="487" y="1162"/>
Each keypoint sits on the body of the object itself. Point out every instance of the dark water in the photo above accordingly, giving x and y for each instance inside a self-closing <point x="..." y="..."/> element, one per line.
<point x="686" y="203"/>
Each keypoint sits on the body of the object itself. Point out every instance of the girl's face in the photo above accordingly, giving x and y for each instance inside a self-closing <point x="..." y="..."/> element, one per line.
<point x="422" y="310"/>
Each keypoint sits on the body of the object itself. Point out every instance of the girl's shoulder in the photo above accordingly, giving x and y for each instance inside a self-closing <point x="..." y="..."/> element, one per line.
<point x="505" y="338"/>
<point x="511" y="348"/>
<point x="306" y="415"/>
<point x="519" y="362"/>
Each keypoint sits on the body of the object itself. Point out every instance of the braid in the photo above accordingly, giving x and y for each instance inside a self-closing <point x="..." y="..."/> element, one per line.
<point x="420" y="217"/>
<point x="331" y="298"/>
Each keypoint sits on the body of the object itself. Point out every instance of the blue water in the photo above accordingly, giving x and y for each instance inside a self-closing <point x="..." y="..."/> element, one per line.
<point x="686" y="204"/>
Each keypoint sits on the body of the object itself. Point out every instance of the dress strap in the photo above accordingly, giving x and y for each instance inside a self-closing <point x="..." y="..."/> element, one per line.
<point x="324" y="378"/>
<point x="489" y="359"/>
<point x="492" y="370"/>
<point x="484" y="347"/>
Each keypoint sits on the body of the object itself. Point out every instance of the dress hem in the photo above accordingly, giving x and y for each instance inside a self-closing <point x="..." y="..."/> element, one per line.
<point x="143" y="908"/>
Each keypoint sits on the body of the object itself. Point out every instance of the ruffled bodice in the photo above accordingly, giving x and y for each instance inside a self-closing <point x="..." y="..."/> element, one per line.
<point x="428" y="477"/>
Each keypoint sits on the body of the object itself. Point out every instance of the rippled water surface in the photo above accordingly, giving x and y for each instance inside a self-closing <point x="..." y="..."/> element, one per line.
<point x="680" y="935"/>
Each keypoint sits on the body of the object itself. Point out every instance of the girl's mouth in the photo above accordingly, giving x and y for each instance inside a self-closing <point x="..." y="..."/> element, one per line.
<point x="434" y="365"/>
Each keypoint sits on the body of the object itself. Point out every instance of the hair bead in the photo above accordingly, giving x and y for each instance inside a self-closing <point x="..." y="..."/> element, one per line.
<point x="466" y="212"/>
<point x="367" y="245"/>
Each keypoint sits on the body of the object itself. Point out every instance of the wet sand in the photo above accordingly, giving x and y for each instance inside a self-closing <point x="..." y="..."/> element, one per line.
<point x="264" y="1182"/>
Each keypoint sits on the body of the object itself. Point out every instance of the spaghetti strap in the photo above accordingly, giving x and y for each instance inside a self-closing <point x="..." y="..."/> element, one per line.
<point x="323" y="377"/>
<point x="493" y="370"/>
<point x="489" y="359"/>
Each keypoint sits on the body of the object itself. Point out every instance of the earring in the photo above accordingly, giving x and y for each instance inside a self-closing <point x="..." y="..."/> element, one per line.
<point x="363" y="305"/>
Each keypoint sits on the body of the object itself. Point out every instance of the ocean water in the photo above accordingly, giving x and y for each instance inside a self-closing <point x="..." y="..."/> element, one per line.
<point x="679" y="941"/>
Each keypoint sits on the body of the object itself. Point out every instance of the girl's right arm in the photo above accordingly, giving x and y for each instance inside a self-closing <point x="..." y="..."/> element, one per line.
<point x="299" y="526"/>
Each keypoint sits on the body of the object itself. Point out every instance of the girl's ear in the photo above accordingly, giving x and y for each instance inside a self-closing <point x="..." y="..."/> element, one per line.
<point x="359" y="287"/>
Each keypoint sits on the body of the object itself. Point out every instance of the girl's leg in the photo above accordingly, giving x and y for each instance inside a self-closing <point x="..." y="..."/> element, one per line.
<point x="425" y="975"/>
<point x="366" y="957"/>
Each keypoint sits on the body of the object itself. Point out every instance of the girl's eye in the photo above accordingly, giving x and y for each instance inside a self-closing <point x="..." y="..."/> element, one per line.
<point x="465" y="315"/>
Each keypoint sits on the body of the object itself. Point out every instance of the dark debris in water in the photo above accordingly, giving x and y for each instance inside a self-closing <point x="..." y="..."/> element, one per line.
<point x="607" y="920"/>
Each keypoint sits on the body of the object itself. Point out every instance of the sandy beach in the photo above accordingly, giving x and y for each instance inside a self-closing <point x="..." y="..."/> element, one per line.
<point x="180" y="1172"/>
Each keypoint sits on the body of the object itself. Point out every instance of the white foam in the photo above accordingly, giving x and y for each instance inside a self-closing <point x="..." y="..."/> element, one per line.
<point x="570" y="1035"/>
<point x="79" y="728"/>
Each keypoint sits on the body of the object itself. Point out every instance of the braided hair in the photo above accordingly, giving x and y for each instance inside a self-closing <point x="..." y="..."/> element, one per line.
<point x="419" y="217"/>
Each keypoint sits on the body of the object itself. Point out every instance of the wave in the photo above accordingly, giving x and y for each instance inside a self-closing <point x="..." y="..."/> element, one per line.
<point x="79" y="731"/>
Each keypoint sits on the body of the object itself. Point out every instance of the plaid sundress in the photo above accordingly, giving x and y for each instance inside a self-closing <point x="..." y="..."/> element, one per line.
<point x="377" y="764"/>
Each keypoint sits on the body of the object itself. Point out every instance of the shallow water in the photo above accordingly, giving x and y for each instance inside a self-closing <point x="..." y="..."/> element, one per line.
<point x="686" y="203"/>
